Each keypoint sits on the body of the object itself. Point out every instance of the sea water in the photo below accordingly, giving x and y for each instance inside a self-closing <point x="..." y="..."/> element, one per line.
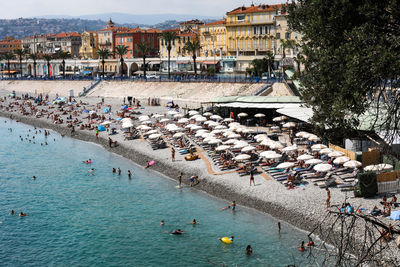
<point x="78" y="219"/>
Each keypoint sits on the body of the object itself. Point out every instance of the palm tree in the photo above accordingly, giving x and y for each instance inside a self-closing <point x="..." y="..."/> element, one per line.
<point x="34" y="57"/>
<point x="169" y="37"/>
<point x="193" y="47"/>
<point x="285" y="44"/>
<point x="103" y="54"/>
<point x="8" y="57"/>
<point x="20" y="53"/>
<point x="63" y="55"/>
<point x="144" y="49"/>
<point x="121" y="51"/>
<point x="269" y="58"/>
<point x="48" y="58"/>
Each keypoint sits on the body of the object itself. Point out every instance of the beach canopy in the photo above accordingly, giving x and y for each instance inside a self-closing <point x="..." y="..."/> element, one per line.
<point x="222" y="148"/>
<point x="289" y="148"/>
<point x="126" y="120"/>
<point x="285" y="165"/>
<point x="289" y="125"/>
<point x="301" y="134"/>
<point x="242" y="157"/>
<point x="305" y="157"/>
<point x="154" y="136"/>
<point x="157" y="116"/>
<point x="248" y="149"/>
<point x="228" y="120"/>
<point x="178" y="115"/>
<point x="201" y="119"/>
<point x="144" y="118"/>
<point x="183" y="120"/>
<point x="281" y="118"/>
<point x="106" y="123"/>
<point x="323" y="167"/>
<point x="325" y="151"/>
<point x="271" y="156"/>
<point x="241" y="144"/>
<point x="352" y="164"/>
<point x="243" y="114"/>
<point x="313" y="138"/>
<point x="151" y="132"/>
<point x="177" y="135"/>
<point x="335" y="154"/>
<point x="341" y="160"/>
<point x="259" y="115"/>
<point x="207" y="114"/>
<point x="313" y="161"/>
<point x="216" y="117"/>
<point x="193" y="112"/>
<point x="318" y="147"/>
<point x="164" y="120"/>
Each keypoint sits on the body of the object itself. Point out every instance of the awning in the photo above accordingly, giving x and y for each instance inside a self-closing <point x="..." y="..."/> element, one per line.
<point x="259" y="105"/>
<point x="210" y="62"/>
<point x="300" y="113"/>
<point x="183" y="62"/>
<point x="11" y="71"/>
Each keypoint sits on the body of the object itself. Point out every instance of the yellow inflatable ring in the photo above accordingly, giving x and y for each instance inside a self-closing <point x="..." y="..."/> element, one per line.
<point x="226" y="240"/>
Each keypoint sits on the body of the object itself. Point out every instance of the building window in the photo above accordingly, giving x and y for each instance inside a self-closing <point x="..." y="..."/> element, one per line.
<point x="261" y="30"/>
<point x="287" y="35"/>
<point x="240" y="17"/>
<point x="255" y="30"/>
<point x="278" y="35"/>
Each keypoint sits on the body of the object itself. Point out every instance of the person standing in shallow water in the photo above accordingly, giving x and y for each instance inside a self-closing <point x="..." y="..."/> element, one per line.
<point x="233" y="205"/>
<point x="180" y="179"/>
<point x="129" y="174"/>
<point x="119" y="171"/>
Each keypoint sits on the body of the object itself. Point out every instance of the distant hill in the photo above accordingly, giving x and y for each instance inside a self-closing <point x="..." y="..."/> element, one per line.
<point x="24" y="27"/>
<point x="123" y="18"/>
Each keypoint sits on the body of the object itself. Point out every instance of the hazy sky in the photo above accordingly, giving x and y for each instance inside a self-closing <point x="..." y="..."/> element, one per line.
<point x="31" y="8"/>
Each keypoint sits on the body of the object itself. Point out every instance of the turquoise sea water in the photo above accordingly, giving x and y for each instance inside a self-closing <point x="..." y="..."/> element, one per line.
<point x="105" y="220"/>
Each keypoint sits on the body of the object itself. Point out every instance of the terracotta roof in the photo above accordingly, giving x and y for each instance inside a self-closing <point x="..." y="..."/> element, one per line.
<point x="254" y="9"/>
<point x="67" y="34"/>
<point x="115" y="29"/>
<point x="219" y="22"/>
<point x="184" y="34"/>
<point x="138" y="30"/>
<point x="10" y="41"/>
<point x="193" y="21"/>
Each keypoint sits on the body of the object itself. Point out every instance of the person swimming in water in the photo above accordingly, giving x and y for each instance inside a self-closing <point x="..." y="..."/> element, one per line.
<point x="119" y="171"/>
<point x="114" y="170"/>
<point x="310" y="242"/>
<point x="91" y="171"/>
<point x="226" y="208"/>
<point x="233" y="205"/>
<point x="21" y="214"/>
<point x="34" y="177"/>
<point x="177" y="232"/>
<point x="129" y="174"/>
<point x="193" y="222"/>
<point x="249" y="250"/>
<point x="162" y="222"/>
<point x="301" y="248"/>
<point x="12" y="212"/>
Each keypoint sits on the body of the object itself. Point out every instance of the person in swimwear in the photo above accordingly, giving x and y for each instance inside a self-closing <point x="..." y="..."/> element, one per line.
<point x="310" y="242"/>
<point x="129" y="174"/>
<point x="193" y="222"/>
<point x="114" y="170"/>
<point x="249" y="250"/>
<point x="119" y="171"/>
<point x="301" y="248"/>
<point x="177" y="232"/>
<point x="12" y="212"/>
<point x="162" y="222"/>
<point x="91" y="171"/>
<point x="233" y="205"/>
<point x="21" y="214"/>
<point x="34" y="178"/>
<point x="226" y="208"/>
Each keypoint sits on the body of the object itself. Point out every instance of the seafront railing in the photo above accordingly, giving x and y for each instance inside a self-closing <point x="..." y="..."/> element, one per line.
<point x="176" y="78"/>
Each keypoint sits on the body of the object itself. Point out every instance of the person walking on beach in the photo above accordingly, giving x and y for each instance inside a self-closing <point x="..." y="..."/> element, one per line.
<point x="180" y="179"/>
<point x="252" y="178"/>
<point x="173" y="154"/>
<point x="328" y="199"/>
<point x="97" y="134"/>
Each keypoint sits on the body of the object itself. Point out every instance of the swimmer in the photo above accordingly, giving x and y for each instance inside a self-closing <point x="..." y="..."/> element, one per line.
<point x="233" y="205"/>
<point x="226" y="208"/>
<point x="34" y="177"/>
<point x="194" y="222"/>
<point x="91" y="171"/>
<point x="12" y="212"/>
<point x="114" y="170"/>
<point x="119" y="171"/>
<point x="310" y="242"/>
<point x="301" y="248"/>
<point x="129" y="174"/>
<point x="177" y="232"/>
<point x="21" y="214"/>
<point x="162" y="222"/>
<point x="279" y="227"/>
<point x="249" y="250"/>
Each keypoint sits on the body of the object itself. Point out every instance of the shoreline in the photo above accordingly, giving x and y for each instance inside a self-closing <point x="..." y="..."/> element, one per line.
<point x="206" y="185"/>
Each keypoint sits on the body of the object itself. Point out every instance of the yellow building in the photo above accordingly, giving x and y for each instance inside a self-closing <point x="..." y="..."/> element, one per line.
<point x="213" y="39"/>
<point x="89" y="47"/>
<point x="254" y="30"/>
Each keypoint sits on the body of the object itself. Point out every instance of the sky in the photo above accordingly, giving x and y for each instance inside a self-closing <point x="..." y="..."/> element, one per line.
<point x="31" y="8"/>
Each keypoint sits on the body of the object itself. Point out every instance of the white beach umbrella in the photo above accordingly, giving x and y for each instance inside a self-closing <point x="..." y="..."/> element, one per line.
<point x="193" y="112"/>
<point x="127" y="125"/>
<point x="144" y="128"/>
<point x="266" y="142"/>
<point x="201" y="119"/>
<point x="147" y="122"/>
<point x="267" y="152"/>
<point x="301" y="134"/>
<point x="154" y="136"/>
<point x="233" y="124"/>
<point x="248" y="149"/>
<point x="207" y="114"/>
<point x="272" y="156"/>
<point x="247" y="130"/>
<point x="196" y="127"/>
<point x="177" y="129"/>
<point x="261" y="136"/>
<point x="228" y="120"/>
<point x="384" y="166"/>
<point x="164" y="120"/>
<point x="275" y="128"/>
<point x="194" y="117"/>
<point x="243" y="114"/>
<point x="106" y="123"/>
<point x="172" y="112"/>
<point x="305" y="157"/>
<point x="242" y="157"/>
<point x="289" y="148"/>
<point x="335" y="154"/>
<point x="234" y="135"/>
<point x="177" y="135"/>
<point x="171" y="125"/>
<point x="275" y="145"/>
<point x="341" y="160"/>
<point x="189" y="126"/>
<point x="325" y="151"/>
<point x="231" y="142"/>
<point x="208" y="122"/>
<point x="259" y="115"/>
<point x="281" y="118"/>
<point x="285" y="165"/>
<point x="318" y="147"/>
<point x="240" y="145"/>
<point x="313" y="138"/>
<point x="217" y="131"/>
<point x="222" y="148"/>
<point x="352" y="164"/>
<point x="213" y="124"/>
<point x="144" y="118"/>
<point x="126" y="120"/>
<point x="141" y="126"/>
<point x="219" y="127"/>
<point x="370" y="168"/>
<point x="215" y="141"/>
<point x="227" y="133"/>
<point x="179" y="115"/>
<point x="323" y="167"/>
<point x="289" y="125"/>
<point x="216" y="117"/>
<point x="157" y="116"/>
<point x="183" y="120"/>
<point x="151" y="132"/>
<point x="313" y="161"/>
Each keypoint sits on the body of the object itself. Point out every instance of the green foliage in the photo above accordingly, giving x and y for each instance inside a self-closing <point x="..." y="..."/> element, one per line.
<point x="351" y="49"/>
<point x="260" y="66"/>
<point x="169" y="37"/>
<point x="192" y="47"/>
<point x="144" y="49"/>
<point x="103" y="54"/>
<point x="367" y="185"/>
